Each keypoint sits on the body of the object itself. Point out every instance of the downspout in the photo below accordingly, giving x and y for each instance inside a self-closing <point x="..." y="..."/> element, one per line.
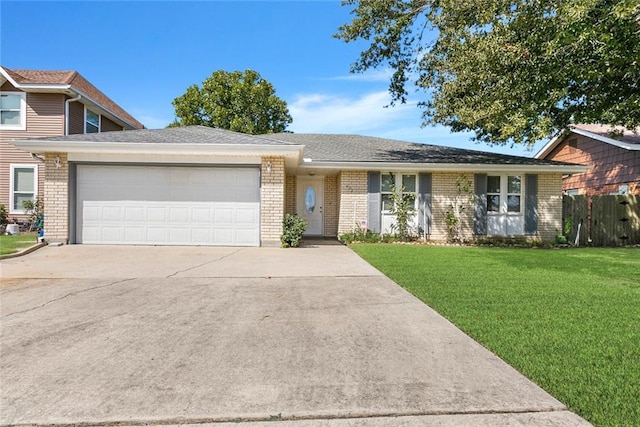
<point x="66" y="112"/>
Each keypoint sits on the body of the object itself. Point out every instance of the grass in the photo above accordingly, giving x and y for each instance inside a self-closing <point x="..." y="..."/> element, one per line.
<point x="12" y="244"/>
<point x="567" y="319"/>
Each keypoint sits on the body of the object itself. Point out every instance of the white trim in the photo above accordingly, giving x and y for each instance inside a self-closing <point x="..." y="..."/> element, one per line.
<point x="555" y="141"/>
<point x="23" y="111"/>
<point x="49" y="146"/>
<point x="86" y="109"/>
<point x="12" y="167"/>
<point x="445" y="167"/>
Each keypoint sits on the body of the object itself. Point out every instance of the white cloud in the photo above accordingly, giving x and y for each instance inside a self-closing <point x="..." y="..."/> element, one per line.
<point x="324" y="113"/>
<point x="383" y="75"/>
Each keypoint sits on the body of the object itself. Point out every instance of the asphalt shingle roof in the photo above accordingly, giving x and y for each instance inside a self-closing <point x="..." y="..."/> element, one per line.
<point x="356" y="148"/>
<point x="177" y="135"/>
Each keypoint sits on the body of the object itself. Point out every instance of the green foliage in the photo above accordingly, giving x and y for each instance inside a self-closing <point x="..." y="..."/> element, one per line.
<point x="568" y="225"/>
<point x="241" y="102"/>
<point x="568" y="320"/>
<point x="35" y="210"/>
<point x="292" y="228"/>
<point x="462" y="199"/>
<point x="361" y="235"/>
<point x="402" y="206"/>
<point x="3" y="214"/>
<point x="512" y="72"/>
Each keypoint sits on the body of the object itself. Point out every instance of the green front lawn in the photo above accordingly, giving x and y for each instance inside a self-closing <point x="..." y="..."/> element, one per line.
<point x="567" y="319"/>
<point x="11" y="244"/>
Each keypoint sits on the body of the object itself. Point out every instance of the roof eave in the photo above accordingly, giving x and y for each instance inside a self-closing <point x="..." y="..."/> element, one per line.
<point x="445" y="167"/>
<point x="551" y="145"/>
<point x="44" y="146"/>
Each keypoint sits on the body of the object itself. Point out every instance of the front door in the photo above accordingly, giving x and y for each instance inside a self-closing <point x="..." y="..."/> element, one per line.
<point x="310" y="204"/>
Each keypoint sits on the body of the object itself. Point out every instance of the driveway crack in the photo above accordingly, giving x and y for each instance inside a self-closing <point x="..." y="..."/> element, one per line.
<point x="70" y="294"/>
<point x="203" y="264"/>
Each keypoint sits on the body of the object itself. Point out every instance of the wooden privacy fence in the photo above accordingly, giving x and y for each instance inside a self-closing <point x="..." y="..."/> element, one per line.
<point x="605" y="220"/>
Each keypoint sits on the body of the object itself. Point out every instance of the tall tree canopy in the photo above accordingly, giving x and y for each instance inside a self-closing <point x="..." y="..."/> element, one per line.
<point x="512" y="71"/>
<point x="241" y="102"/>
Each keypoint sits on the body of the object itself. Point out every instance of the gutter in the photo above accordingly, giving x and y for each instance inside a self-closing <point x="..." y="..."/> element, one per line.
<point x="444" y="167"/>
<point x="66" y="112"/>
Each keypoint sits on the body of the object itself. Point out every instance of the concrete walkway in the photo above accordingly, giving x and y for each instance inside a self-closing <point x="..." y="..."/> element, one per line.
<point x="300" y="337"/>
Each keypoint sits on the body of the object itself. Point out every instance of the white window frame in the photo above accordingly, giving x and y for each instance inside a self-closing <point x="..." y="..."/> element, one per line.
<point x="23" y="112"/>
<point x="503" y="213"/>
<point x="87" y="121"/>
<point x="18" y="209"/>
<point x="398" y="184"/>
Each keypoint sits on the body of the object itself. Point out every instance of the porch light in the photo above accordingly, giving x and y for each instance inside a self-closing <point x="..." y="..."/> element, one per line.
<point x="268" y="166"/>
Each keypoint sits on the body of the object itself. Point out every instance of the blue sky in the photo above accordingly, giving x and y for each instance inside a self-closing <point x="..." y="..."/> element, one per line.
<point x="143" y="54"/>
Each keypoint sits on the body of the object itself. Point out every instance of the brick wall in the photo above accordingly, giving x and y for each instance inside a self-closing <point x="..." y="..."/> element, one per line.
<point x="331" y="212"/>
<point x="549" y="205"/>
<point x="444" y="193"/>
<point x="272" y="197"/>
<point x="290" y="195"/>
<point x="56" y="198"/>
<point x="353" y="200"/>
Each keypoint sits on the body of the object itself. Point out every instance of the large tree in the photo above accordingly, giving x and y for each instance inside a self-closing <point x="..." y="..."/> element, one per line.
<point x="512" y="71"/>
<point x="241" y="102"/>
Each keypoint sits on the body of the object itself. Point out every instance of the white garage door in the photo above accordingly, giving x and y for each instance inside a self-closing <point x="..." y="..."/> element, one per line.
<point x="168" y="205"/>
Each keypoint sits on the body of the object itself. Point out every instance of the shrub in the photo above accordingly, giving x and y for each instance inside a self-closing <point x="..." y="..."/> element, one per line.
<point x="292" y="228"/>
<point x="3" y="214"/>
<point x="360" y="235"/>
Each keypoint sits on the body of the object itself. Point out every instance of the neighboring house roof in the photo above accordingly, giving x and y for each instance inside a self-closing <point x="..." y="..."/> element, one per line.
<point x="613" y="135"/>
<point x="69" y="82"/>
<point x="316" y="151"/>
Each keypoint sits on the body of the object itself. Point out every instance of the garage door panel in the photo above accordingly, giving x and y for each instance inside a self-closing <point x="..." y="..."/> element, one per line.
<point x="168" y="205"/>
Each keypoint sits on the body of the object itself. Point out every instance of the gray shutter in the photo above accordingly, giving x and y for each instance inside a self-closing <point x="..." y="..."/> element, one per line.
<point x="480" y="208"/>
<point x="424" y="203"/>
<point x="531" y="204"/>
<point x="373" y="201"/>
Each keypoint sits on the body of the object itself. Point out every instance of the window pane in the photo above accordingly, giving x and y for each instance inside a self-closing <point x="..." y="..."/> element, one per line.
<point x="92" y="118"/>
<point x="386" y="202"/>
<point x="10" y="102"/>
<point x="411" y="198"/>
<point x="91" y="128"/>
<point x="18" y="198"/>
<point x="514" y="184"/>
<point x="23" y="180"/>
<point x="10" y="117"/>
<point x="513" y="204"/>
<point x="493" y="203"/>
<point x="409" y="183"/>
<point x="493" y="184"/>
<point x="387" y="182"/>
<point x="310" y="199"/>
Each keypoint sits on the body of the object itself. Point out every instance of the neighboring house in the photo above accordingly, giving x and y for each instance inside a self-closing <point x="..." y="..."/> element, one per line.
<point x="612" y="153"/>
<point x="197" y="185"/>
<point x="35" y="103"/>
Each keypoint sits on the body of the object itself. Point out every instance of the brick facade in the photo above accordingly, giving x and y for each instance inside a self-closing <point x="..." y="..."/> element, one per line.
<point x="444" y="192"/>
<point x="290" y="194"/>
<point x="353" y="200"/>
<point x="611" y="166"/>
<point x="56" y="198"/>
<point x="272" y="200"/>
<point x="331" y="206"/>
<point x="549" y="206"/>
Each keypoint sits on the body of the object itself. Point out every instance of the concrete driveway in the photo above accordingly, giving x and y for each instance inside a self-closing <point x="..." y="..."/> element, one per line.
<point x="192" y="335"/>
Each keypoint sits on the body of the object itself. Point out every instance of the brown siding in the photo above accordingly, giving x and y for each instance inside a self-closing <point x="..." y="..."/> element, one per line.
<point x="107" y="125"/>
<point x="76" y="118"/>
<point x="610" y="166"/>
<point x="45" y="117"/>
